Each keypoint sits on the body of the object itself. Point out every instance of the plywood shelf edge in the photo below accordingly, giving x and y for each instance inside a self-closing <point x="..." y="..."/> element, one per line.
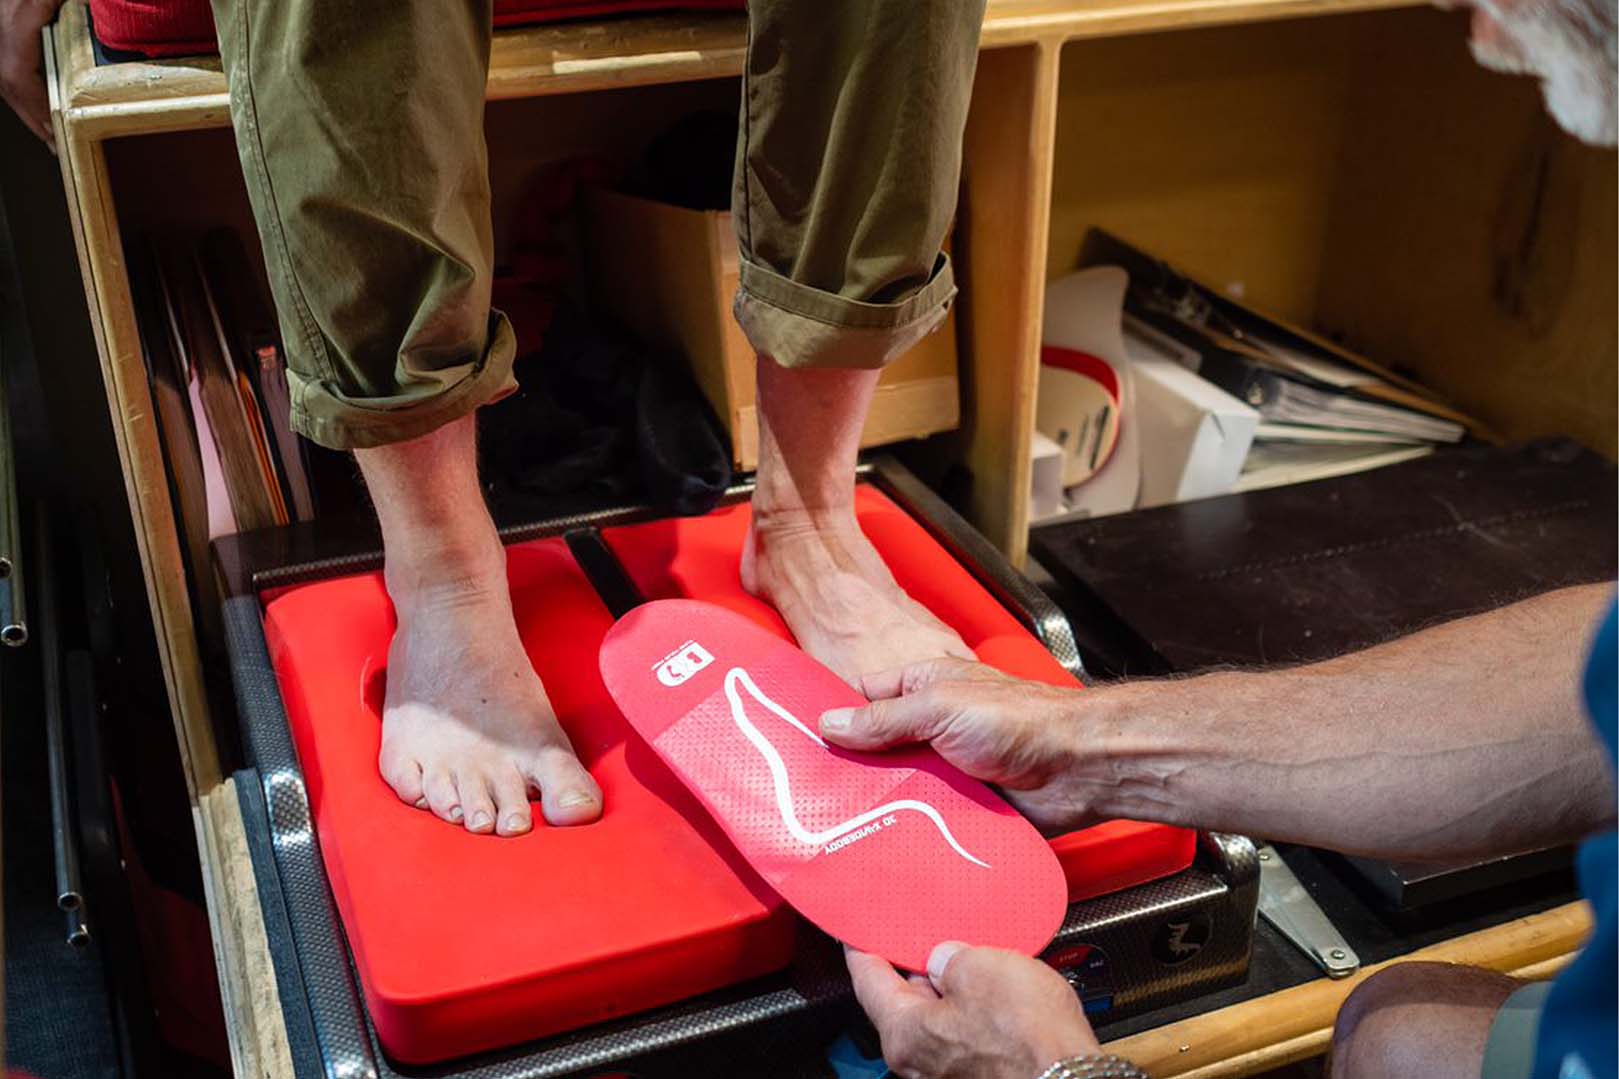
<point x="148" y="97"/>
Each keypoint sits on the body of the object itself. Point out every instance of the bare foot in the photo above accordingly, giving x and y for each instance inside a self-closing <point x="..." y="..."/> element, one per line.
<point x="467" y="730"/>
<point x="836" y="595"/>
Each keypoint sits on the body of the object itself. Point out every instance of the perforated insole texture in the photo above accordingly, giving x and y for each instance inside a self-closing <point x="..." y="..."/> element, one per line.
<point x="892" y="853"/>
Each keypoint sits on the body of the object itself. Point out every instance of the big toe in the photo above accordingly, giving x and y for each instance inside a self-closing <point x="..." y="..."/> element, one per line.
<point x="568" y="794"/>
<point x="404" y="775"/>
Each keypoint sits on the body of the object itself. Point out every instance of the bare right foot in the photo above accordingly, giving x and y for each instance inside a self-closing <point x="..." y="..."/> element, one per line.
<point x="467" y="729"/>
<point x="837" y="596"/>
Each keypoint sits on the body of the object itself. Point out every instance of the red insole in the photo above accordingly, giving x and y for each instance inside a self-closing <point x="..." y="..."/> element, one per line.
<point x="697" y="558"/>
<point x="892" y="853"/>
<point x="466" y="942"/>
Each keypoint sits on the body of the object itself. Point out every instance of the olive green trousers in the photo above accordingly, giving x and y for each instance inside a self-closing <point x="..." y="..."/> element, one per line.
<point x="359" y="124"/>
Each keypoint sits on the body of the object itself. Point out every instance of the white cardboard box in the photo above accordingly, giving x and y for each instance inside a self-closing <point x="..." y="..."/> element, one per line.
<point x="1194" y="435"/>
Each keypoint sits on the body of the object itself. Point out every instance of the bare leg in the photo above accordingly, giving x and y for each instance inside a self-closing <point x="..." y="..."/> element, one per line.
<point x="467" y="730"/>
<point x="1427" y="1019"/>
<point x="805" y="552"/>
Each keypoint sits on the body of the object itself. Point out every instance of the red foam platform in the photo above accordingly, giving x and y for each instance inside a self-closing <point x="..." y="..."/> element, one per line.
<point x="465" y="942"/>
<point x="697" y="558"/>
<point x="892" y="852"/>
<point x="186" y="27"/>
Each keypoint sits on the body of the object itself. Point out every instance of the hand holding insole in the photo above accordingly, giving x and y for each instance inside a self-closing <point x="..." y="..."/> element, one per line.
<point x="891" y="853"/>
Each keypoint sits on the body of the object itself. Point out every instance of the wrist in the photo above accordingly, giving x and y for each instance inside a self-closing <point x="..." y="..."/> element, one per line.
<point x="1135" y="750"/>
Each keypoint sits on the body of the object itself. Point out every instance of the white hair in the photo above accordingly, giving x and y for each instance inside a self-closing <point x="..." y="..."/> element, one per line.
<point x="1570" y="45"/>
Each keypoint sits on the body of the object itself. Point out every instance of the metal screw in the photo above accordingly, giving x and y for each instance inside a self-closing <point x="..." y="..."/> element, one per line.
<point x="1337" y="953"/>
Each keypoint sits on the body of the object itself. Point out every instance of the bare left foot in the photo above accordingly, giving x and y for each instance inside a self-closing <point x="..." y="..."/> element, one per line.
<point x="836" y="595"/>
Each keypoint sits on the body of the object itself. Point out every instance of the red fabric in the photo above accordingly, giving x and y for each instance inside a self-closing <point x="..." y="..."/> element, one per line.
<point x="891" y="853"/>
<point x="698" y="557"/>
<point x="465" y="942"/>
<point x="186" y="27"/>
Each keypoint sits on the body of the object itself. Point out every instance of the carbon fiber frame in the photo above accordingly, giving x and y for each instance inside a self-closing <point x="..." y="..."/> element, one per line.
<point x="328" y="1029"/>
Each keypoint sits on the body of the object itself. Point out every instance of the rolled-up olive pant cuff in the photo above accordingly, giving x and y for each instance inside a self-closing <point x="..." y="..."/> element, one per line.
<point x="798" y="325"/>
<point x="431" y="399"/>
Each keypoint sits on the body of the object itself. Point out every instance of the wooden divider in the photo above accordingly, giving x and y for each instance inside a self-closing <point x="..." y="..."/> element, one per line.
<point x="94" y="219"/>
<point x="1002" y="232"/>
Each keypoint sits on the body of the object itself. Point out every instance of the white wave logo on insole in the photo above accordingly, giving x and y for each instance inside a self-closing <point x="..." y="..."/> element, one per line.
<point x="778" y="774"/>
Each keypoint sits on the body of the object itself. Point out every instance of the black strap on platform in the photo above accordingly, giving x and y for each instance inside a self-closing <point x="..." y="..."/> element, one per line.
<point x="605" y="572"/>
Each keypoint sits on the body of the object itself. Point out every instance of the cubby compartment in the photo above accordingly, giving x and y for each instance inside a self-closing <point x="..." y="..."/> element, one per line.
<point x="1362" y="177"/>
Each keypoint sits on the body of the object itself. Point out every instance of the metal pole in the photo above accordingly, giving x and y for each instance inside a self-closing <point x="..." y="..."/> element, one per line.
<point x="69" y="895"/>
<point x="13" y="609"/>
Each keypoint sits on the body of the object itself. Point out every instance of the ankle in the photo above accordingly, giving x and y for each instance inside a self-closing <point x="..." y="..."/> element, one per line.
<point x="774" y="515"/>
<point x="445" y="570"/>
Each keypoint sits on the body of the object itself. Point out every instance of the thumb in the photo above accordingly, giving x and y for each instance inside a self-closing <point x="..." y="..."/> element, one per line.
<point x="912" y="677"/>
<point x="881" y="724"/>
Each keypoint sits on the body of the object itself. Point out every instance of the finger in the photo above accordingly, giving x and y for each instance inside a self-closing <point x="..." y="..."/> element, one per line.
<point x="957" y="970"/>
<point x="885" y="723"/>
<point x="568" y="795"/>
<point x="477" y="806"/>
<point x="882" y="993"/>
<point x="512" y="813"/>
<point x="940" y="961"/>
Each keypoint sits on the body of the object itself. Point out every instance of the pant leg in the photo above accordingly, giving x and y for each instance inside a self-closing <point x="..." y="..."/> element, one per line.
<point x="847" y="172"/>
<point x="359" y="124"/>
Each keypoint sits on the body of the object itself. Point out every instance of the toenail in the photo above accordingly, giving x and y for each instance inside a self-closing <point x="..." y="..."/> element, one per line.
<point x="575" y="799"/>
<point x="516" y="822"/>
<point x="421" y="803"/>
<point x="480" y="819"/>
<point x="455" y="813"/>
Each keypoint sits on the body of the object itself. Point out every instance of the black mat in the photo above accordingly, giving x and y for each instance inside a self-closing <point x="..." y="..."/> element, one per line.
<point x="1303" y="572"/>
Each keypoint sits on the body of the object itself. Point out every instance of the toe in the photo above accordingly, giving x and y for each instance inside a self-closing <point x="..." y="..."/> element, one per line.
<point x="512" y="813"/>
<point x="405" y="777"/>
<point x="477" y="806"/>
<point x="567" y="793"/>
<point x="442" y="798"/>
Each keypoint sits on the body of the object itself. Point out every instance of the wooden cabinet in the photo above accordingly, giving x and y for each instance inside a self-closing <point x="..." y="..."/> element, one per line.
<point x="1342" y="162"/>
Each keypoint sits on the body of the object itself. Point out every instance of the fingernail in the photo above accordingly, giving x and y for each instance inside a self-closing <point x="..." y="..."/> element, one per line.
<point x="837" y="721"/>
<point x="575" y="799"/>
<point x="455" y="813"/>
<point x="940" y="959"/>
<point x="480" y="819"/>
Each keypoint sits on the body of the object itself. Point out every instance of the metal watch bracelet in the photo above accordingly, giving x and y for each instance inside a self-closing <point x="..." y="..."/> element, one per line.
<point x="1093" y="1067"/>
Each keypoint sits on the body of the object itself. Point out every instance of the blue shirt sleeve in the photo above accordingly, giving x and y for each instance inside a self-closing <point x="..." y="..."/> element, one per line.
<point x="1578" y="1028"/>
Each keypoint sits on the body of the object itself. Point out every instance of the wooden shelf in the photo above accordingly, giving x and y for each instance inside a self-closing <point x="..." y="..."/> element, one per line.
<point x="138" y="98"/>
